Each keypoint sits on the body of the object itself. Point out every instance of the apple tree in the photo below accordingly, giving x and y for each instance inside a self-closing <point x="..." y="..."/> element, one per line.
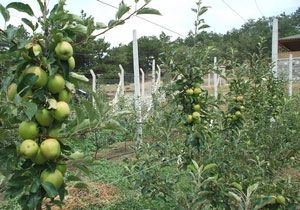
<point x="39" y="87"/>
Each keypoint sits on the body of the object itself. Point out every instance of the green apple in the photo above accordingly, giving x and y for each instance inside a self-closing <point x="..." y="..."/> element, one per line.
<point x="239" y="98"/>
<point x="40" y="73"/>
<point x="197" y="107"/>
<point x="64" y="95"/>
<point x="189" y="91"/>
<point x="238" y="114"/>
<point x="64" y="50"/>
<point x="190" y="118"/>
<point x="62" y="111"/>
<point x="39" y="159"/>
<point x="196" y="115"/>
<point x="54" y="177"/>
<point x="11" y="91"/>
<point x="53" y="133"/>
<point x="197" y="91"/>
<point x="29" y="148"/>
<point x="71" y="62"/>
<point x="56" y="83"/>
<point x="280" y="199"/>
<point x="50" y="148"/>
<point x="44" y="118"/>
<point x="28" y="130"/>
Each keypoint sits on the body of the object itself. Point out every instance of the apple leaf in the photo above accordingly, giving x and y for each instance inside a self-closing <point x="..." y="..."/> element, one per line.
<point x="29" y="23"/>
<point x="72" y="178"/>
<point x="71" y="87"/>
<point x="27" y="82"/>
<point x="52" y="103"/>
<point x="4" y="13"/>
<point x="21" y="7"/>
<point x="123" y="8"/>
<point x="35" y="185"/>
<point x="50" y="189"/>
<point x="33" y="200"/>
<point x="100" y="25"/>
<point x="41" y="5"/>
<point x="148" y="11"/>
<point x="262" y="202"/>
<point x="30" y="109"/>
<point x="79" y="77"/>
<point x="113" y="23"/>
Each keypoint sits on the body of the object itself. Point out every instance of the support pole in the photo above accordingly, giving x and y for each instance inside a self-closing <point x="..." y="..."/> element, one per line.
<point x="158" y="76"/>
<point x="137" y="90"/>
<point x="275" y="47"/>
<point x="153" y="78"/>
<point x="143" y="82"/>
<point x="122" y="80"/>
<point x="215" y="79"/>
<point x="290" y="75"/>
<point x="93" y="85"/>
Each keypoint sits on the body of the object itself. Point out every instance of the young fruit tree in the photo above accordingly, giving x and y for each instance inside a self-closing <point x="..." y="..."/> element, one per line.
<point x="40" y="87"/>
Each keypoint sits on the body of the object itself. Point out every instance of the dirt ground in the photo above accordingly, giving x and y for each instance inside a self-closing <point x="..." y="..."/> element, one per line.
<point x="118" y="151"/>
<point x="94" y="193"/>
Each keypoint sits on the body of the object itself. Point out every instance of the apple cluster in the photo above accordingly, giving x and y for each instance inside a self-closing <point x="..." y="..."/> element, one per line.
<point x="193" y="93"/>
<point x="40" y="135"/>
<point x="236" y="110"/>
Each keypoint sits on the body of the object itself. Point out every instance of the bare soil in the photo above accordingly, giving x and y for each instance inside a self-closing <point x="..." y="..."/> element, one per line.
<point x="118" y="151"/>
<point x="93" y="194"/>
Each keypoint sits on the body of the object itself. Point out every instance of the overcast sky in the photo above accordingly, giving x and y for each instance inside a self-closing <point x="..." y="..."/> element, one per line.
<point x="176" y="15"/>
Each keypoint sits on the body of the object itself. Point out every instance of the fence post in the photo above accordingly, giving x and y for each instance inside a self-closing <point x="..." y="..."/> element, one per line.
<point x="216" y="80"/>
<point x="275" y="47"/>
<point x="290" y="75"/>
<point x="93" y="85"/>
<point x="137" y="90"/>
<point x="122" y="80"/>
<point x="143" y="82"/>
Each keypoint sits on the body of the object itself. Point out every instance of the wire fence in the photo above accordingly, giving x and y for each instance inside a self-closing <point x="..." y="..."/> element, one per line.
<point x="290" y="72"/>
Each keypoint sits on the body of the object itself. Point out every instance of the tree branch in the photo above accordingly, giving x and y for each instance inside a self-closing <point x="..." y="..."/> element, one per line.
<point x="125" y="19"/>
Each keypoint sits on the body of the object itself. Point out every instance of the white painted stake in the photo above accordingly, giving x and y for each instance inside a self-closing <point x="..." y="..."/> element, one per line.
<point x="143" y="82"/>
<point x="137" y="90"/>
<point x="215" y="79"/>
<point x="118" y="92"/>
<point x="93" y="85"/>
<point x="158" y="76"/>
<point x="122" y="80"/>
<point x="290" y="75"/>
<point x="275" y="47"/>
<point x="153" y="78"/>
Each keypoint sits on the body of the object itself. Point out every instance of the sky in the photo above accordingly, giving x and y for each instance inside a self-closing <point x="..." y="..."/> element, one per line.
<point x="176" y="15"/>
